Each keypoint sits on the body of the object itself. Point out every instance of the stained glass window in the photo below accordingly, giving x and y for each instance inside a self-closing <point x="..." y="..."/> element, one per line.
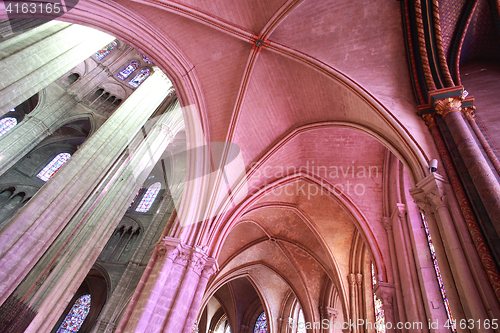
<point x="137" y="80"/>
<point x="438" y="273"/>
<point x="54" y="165"/>
<point x="148" y="198"/>
<point x="125" y="73"/>
<point x="378" y="306"/>
<point x="374" y="278"/>
<point x="76" y="315"/>
<point x="301" y="322"/>
<point x="105" y="51"/>
<point x="6" y="124"/>
<point x="379" y="314"/>
<point x="147" y="60"/>
<point x="261" y="324"/>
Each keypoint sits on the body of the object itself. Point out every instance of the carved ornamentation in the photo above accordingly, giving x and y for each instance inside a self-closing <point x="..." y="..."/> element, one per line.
<point x="352" y="279"/>
<point x="359" y="279"/>
<point x="328" y="312"/>
<point x="470" y="113"/>
<point x="430" y="119"/>
<point x="447" y="105"/>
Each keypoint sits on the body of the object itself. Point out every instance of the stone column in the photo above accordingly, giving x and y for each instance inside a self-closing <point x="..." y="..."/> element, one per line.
<point x="395" y="269"/>
<point x="353" y="291"/>
<point x="172" y="290"/>
<point x="487" y="260"/>
<point x="479" y="170"/>
<point x="31" y="61"/>
<point x="35" y="226"/>
<point x="88" y="232"/>
<point x="469" y="113"/>
<point x="430" y="190"/>
<point x="108" y="319"/>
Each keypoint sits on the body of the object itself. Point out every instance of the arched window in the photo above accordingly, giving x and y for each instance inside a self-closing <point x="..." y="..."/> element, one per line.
<point x="139" y="78"/>
<point x="377" y="304"/>
<point x="125" y="73"/>
<point x="6" y="124"/>
<point x="76" y="315"/>
<point x="101" y="54"/>
<point x="223" y="325"/>
<point x="148" y="198"/>
<point x="438" y="273"/>
<point x="261" y="324"/>
<point x="54" y="165"/>
<point x="301" y="323"/>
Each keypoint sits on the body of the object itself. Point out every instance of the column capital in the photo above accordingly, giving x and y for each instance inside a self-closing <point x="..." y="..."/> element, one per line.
<point x="469" y="113"/>
<point x="430" y="191"/>
<point x="194" y="258"/>
<point x="327" y="312"/>
<point x="447" y="105"/>
<point x="386" y="292"/>
<point x="359" y="278"/>
<point x="429" y="119"/>
<point x="352" y="279"/>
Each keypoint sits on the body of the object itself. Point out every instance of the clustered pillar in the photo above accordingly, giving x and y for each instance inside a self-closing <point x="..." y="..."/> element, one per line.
<point x="170" y="291"/>
<point x="34" y="228"/>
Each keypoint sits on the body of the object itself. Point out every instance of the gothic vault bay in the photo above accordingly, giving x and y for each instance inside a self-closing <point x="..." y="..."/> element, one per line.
<point x="243" y="166"/>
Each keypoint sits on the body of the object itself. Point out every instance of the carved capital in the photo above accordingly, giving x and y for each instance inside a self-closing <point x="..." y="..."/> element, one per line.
<point x="447" y="105"/>
<point x="328" y="312"/>
<point x="192" y="258"/>
<point x="430" y="119"/>
<point x="430" y="192"/>
<point x="352" y="279"/>
<point x="469" y="113"/>
<point x="359" y="279"/>
<point x="385" y="292"/>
